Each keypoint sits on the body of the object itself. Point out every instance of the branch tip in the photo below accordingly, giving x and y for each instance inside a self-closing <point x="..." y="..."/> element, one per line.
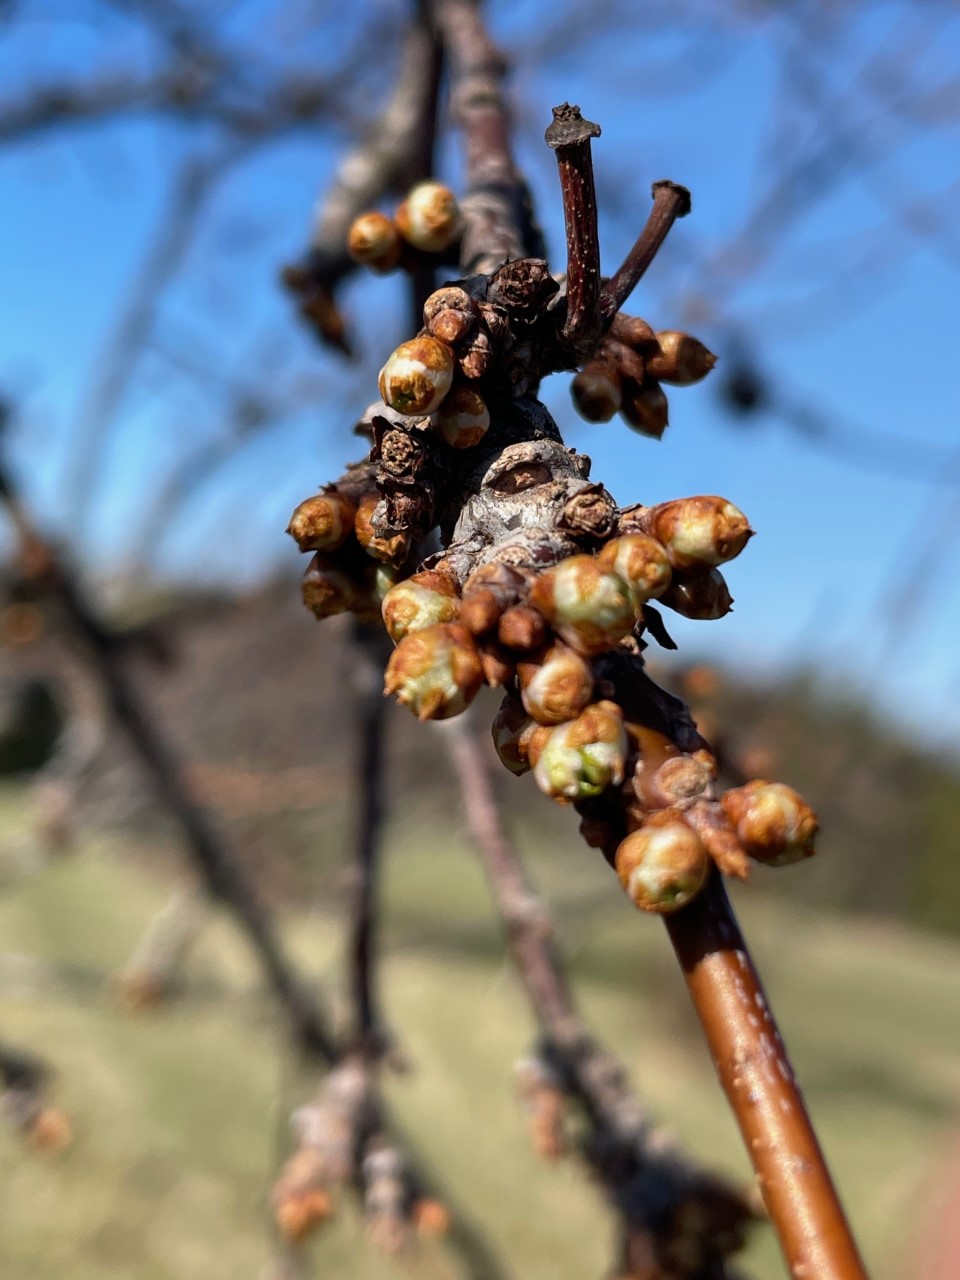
<point x="569" y="128"/>
<point x="675" y="188"/>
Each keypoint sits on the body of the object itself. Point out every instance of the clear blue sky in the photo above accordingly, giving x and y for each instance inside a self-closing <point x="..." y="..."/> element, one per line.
<point x="874" y="348"/>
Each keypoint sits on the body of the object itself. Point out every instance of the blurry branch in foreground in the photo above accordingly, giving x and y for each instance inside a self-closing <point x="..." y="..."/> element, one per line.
<point x="47" y="571"/>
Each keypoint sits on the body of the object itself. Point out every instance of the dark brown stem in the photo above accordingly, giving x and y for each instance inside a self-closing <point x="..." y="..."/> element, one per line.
<point x="644" y="1173"/>
<point x="670" y="201"/>
<point x="368" y="655"/>
<point x="759" y="1082"/>
<point x="569" y="136"/>
<point x="221" y="873"/>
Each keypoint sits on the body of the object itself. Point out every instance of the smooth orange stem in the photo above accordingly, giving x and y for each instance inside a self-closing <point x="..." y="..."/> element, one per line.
<point x="756" y="1074"/>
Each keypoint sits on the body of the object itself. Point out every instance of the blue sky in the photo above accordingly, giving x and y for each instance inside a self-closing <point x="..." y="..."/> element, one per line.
<point x="822" y="583"/>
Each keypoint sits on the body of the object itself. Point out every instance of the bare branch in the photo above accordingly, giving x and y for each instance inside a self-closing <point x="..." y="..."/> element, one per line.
<point x="670" y="201"/>
<point x="569" y="137"/>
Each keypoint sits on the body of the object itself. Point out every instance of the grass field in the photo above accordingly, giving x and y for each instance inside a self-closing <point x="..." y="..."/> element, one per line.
<point x="180" y="1113"/>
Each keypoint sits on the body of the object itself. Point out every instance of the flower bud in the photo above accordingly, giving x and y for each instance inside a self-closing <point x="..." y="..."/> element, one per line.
<point x="51" y="1130"/>
<point x="417" y="376"/>
<point x="300" y="1213"/>
<point x="584" y="756"/>
<point x="663" y="865"/>
<point x="634" y="333"/>
<point x="680" y="359"/>
<point x="450" y="298"/>
<point x="431" y="1218"/>
<point x="429" y="218"/>
<point x="699" y="532"/>
<point x="513" y="735"/>
<point x="499" y="666"/>
<point x="487" y="593"/>
<point x="475" y="355"/>
<point x="644" y="407"/>
<point x="390" y="550"/>
<point x="705" y="596"/>
<point x="463" y="418"/>
<point x="641" y="562"/>
<point x="323" y="522"/>
<point x="418" y="602"/>
<point x="522" y="627"/>
<point x="327" y="590"/>
<point x="435" y="672"/>
<point x="558" y="687"/>
<point x="774" y="824"/>
<point x="677" y="781"/>
<point x="587" y="605"/>
<point x="451" y="325"/>
<point x="596" y="391"/>
<point x="374" y="241"/>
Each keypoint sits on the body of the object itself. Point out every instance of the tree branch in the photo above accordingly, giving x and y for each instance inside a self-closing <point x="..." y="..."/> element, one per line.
<point x="211" y="855"/>
<point x="762" y="1090"/>
<point x="645" y="1175"/>
<point x="670" y="201"/>
<point x="569" y="136"/>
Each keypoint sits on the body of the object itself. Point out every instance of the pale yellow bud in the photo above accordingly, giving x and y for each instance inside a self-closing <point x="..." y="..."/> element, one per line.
<point x="323" y="522"/>
<point x="558" y="687"/>
<point x="583" y="757"/>
<point x="773" y="822"/>
<point x="463" y="418"/>
<point x="663" y="865"/>
<point x="374" y="241"/>
<point x="417" y="376"/>
<point x="699" y="532"/>
<point x="641" y="562"/>
<point x="420" y="601"/>
<point x="585" y="603"/>
<point x="429" y="218"/>
<point x="435" y="672"/>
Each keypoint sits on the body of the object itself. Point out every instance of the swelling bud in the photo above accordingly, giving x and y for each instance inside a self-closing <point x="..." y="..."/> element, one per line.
<point x="463" y="419"/>
<point x="641" y="563"/>
<point x="587" y="605"/>
<point x="436" y="672"/>
<point x="663" y="865"/>
<point x="323" y="522"/>
<point x="772" y="821"/>
<point x="429" y="218"/>
<point x="680" y="359"/>
<point x="418" y="602"/>
<point x="557" y="688"/>
<point x="374" y="241"/>
<point x="417" y="376"/>
<point x="699" y="532"/>
<point x="583" y="757"/>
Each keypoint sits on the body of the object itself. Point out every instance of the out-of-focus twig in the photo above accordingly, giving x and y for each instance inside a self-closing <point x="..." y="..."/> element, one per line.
<point x="221" y="873"/>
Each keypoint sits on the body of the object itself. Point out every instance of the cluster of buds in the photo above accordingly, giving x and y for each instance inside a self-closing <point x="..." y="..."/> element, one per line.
<point x="626" y="374"/>
<point x="339" y="1144"/>
<point x="543" y="1100"/>
<point x="426" y="223"/>
<point x="352" y="567"/>
<point x="555" y="611"/>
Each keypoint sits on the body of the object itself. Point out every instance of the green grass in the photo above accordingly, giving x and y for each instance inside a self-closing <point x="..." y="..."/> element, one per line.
<point x="180" y="1113"/>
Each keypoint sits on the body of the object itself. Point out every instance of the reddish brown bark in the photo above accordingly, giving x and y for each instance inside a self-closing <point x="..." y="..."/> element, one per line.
<point x="760" y="1084"/>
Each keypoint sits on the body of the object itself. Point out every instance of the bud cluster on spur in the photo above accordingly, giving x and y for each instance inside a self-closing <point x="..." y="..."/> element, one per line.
<point x="480" y="541"/>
